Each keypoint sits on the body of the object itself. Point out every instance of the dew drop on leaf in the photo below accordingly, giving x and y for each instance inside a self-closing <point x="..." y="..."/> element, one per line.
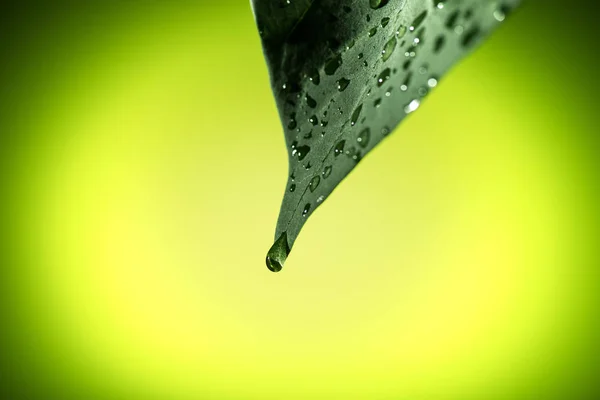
<point x="278" y="253"/>
<point x="375" y="4"/>
<point x="418" y="21"/>
<point x="314" y="77"/>
<point x="342" y="84"/>
<point x="363" y="138"/>
<point x="306" y="209"/>
<point x="314" y="183"/>
<point x="412" y="106"/>
<point x="388" y="49"/>
<point x="333" y="64"/>
<point x="383" y="76"/>
<point x="355" y="115"/>
<point x="339" y="148"/>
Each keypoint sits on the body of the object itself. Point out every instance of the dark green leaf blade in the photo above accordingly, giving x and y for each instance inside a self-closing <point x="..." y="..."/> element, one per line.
<point x="345" y="73"/>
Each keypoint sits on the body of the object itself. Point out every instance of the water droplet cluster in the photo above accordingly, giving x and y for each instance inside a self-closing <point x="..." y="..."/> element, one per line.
<point x="371" y="76"/>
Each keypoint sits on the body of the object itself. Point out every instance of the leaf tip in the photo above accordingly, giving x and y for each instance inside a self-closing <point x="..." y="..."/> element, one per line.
<point x="278" y="253"/>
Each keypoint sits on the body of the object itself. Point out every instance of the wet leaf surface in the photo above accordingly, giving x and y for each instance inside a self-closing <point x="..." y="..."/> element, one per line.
<point x="345" y="73"/>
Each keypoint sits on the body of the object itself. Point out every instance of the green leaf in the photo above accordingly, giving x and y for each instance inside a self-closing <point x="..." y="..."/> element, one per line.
<point x="345" y="73"/>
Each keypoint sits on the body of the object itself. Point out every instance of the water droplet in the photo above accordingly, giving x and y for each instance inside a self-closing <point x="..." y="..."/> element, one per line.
<point x="383" y="76"/>
<point x="377" y="103"/>
<point x="320" y="199"/>
<point x="333" y="64"/>
<point x="351" y="151"/>
<point x="452" y="19"/>
<point x="324" y="123"/>
<point x="375" y="4"/>
<point x="385" y="21"/>
<point x="401" y="31"/>
<point x="372" y="32"/>
<point x="339" y="148"/>
<point x="306" y="209"/>
<point x="310" y="101"/>
<point x="292" y="187"/>
<point x="407" y="80"/>
<point x="432" y="82"/>
<point x="363" y="137"/>
<point x="439" y="43"/>
<point x="314" y="182"/>
<point x="471" y="36"/>
<point x="412" y="106"/>
<point x="418" y="21"/>
<point x="278" y="253"/>
<point x="388" y="49"/>
<point x="501" y="12"/>
<point x="301" y="152"/>
<point x="342" y="84"/>
<point x="388" y="92"/>
<point x="292" y="124"/>
<point x="327" y="171"/>
<point x="284" y="3"/>
<point x="313" y="76"/>
<point x="385" y="131"/>
<point x="355" y="115"/>
<point x="313" y="120"/>
<point x="422" y="91"/>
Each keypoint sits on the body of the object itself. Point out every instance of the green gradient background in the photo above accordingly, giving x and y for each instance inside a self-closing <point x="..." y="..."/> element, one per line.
<point x="142" y="169"/>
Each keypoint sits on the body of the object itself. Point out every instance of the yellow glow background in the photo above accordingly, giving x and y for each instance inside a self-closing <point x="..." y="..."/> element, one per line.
<point x="143" y="166"/>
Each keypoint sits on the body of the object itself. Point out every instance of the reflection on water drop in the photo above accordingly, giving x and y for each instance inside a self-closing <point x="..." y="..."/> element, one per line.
<point x="412" y="106"/>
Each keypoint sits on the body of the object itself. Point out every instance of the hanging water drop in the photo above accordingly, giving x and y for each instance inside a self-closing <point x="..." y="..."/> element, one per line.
<point x="278" y="253"/>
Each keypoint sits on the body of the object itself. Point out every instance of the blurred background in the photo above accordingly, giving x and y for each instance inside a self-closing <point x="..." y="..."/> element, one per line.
<point x="142" y="169"/>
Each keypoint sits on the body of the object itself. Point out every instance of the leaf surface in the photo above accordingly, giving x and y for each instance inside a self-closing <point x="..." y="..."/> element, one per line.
<point x="345" y="73"/>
